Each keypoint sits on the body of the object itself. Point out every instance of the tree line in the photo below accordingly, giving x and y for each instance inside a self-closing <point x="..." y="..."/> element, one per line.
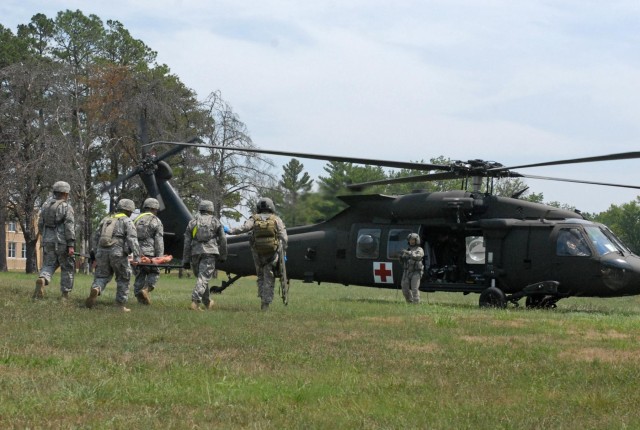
<point x="80" y="96"/>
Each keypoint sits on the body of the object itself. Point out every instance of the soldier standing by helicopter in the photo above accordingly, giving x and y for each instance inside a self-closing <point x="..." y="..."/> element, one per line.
<point x="413" y="268"/>
<point x="57" y="229"/>
<point x="204" y="244"/>
<point x="114" y="239"/>
<point x="150" y="237"/>
<point x="268" y="234"/>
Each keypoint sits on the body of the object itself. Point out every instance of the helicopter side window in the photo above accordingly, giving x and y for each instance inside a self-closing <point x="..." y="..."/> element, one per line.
<point x="475" y="249"/>
<point x="368" y="244"/>
<point x="571" y="242"/>
<point x="397" y="242"/>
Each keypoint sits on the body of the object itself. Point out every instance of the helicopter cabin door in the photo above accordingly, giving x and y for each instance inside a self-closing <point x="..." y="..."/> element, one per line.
<point x="374" y="253"/>
<point x="575" y="258"/>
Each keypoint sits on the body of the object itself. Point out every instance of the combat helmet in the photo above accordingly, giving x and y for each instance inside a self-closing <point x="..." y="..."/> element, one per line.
<point x="61" y="187"/>
<point x="205" y="206"/>
<point x="151" y="203"/>
<point x="414" y="236"/>
<point x="126" y="205"/>
<point x="265" y="204"/>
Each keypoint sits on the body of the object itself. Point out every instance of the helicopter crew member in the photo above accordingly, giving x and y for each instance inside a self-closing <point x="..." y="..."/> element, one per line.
<point x="150" y="238"/>
<point x="57" y="229"/>
<point x="115" y="239"/>
<point x="413" y="268"/>
<point x="268" y="233"/>
<point x="204" y="244"/>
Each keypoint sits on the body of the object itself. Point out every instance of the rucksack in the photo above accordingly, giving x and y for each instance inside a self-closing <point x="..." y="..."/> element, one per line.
<point x="265" y="235"/>
<point x="205" y="228"/>
<point x="50" y="213"/>
<point x="106" y="234"/>
<point x="143" y="225"/>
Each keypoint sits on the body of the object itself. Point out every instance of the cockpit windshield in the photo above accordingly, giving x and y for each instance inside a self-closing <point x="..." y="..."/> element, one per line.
<point x="604" y="240"/>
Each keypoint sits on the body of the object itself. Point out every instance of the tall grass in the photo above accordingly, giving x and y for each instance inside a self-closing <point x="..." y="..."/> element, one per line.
<point x="336" y="357"/>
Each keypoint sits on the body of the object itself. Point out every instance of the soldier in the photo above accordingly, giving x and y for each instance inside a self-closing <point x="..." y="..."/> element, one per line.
<point x="57" y="230"/>
<point x="150" y="237"/>
<point x="204" y="244"/>
<point x="114" y="240"/>
<point x="268" y="234"/>
<point x="413" y="267"/>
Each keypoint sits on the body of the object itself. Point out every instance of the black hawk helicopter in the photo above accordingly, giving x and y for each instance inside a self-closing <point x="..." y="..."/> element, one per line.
<point x="502" y="248"/>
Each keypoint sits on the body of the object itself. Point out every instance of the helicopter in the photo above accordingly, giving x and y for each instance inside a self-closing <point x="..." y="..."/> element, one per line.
<point x="502" y="248"/>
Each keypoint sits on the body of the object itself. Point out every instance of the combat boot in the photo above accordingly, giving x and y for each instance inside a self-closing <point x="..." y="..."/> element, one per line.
<point x="122" y="307"/>
<point x="264" y="307"/>
<point x="39" y="291"/>
<point x="208" y="305"/>
<point x="93" y="297"/>
<point x="195" y="306"/>
<point x="65" y="296"/>
<point x="143" y="296"/>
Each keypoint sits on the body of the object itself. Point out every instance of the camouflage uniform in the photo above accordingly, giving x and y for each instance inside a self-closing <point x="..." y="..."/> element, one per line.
<point x="114" y="259"/>
<point x="202" y="250"/>
<point x="150" y="237"/>
<point x="265" y="264"/>
<point x="413" y="267"/>
<point x="58" y="235"/>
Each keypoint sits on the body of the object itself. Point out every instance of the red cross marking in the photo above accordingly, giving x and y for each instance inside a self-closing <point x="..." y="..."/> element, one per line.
<point x="382" y="272"/>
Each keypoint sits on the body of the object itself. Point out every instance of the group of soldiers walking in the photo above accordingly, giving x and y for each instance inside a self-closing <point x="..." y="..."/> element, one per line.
<point x="119" y="242"/>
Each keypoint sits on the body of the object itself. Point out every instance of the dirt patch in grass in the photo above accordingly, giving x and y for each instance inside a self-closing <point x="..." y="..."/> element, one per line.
<point x="600" y="354"/>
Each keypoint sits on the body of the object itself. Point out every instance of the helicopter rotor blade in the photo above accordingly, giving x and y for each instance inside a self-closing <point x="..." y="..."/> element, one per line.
<point x="121" y="179"/>
<point x="610" y="157"/>
<point x="578" y="181"/>
<point x="356" y="160"/>
<point x="406" y="179"/>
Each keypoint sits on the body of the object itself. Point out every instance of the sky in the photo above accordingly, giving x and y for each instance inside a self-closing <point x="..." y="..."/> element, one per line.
<point x="511" y="81"/>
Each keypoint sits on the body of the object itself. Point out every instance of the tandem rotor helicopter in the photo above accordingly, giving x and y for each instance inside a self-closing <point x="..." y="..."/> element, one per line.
<point x="502" y="248"/>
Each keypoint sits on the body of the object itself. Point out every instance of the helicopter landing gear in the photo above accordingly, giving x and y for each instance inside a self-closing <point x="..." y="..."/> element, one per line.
<point x="541" y="301"/>
<point x="493" y="297"/>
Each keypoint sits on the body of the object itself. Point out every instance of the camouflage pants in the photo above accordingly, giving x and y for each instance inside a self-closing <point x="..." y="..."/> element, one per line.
<point x="203" y="266"/>
<point x="410" y="284"/>
<point x="56" y="255"/>
<point x="107" y="265"/>
<point x="146" y="276"/>
<point x="266" y="277"/>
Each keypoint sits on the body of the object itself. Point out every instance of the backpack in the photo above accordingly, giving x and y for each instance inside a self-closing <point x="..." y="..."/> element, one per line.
<point x="265" y="235"/>
<point x="143" y="225"/>
<point x="106" y="234"/>
<point x="205" y="228"/>
<point x="50" y="213"/>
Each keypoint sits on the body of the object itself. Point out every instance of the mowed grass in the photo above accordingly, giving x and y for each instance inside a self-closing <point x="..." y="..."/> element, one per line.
<point x="336" y="357"/>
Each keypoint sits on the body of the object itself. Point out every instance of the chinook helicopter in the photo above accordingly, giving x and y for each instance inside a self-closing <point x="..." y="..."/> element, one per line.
<point x="502" y="248"/>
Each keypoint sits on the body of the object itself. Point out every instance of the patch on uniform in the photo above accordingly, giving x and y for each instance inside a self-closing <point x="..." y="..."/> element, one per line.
<point x="382" y="273"/>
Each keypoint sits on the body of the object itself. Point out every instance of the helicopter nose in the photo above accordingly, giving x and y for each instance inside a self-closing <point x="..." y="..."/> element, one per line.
<point x="622" y="274"/>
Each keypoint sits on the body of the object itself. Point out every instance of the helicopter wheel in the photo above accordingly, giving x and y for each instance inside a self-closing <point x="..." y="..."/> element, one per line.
<point x="541" y="301"/>
<point x="493" y="297"/>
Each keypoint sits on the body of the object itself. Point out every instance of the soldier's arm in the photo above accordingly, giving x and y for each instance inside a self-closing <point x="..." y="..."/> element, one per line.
<point x="222" y="243"/>
<point x="417" y="254"/>
<point x="69" y="226"/>
<point x="186" y="253"/>
<point x="158" y="242"/>
<point x="132" y="238"/>
<point x="247" y="226"/>
<point x="282" y="232"/>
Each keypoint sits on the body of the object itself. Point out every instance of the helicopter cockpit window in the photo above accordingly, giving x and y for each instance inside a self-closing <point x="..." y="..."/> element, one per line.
<point x="475" y="249"/>
<point x="571" y="242"/>
<point x="600" y="240"/>
<point x="397" y="242"/>
<point x="368" y="245"/>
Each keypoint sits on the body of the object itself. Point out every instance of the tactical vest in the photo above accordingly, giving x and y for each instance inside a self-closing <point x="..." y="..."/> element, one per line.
<point x="106" y="235"/>
<point x="51" y="212"/>
<point x="204" y="231"/>
<point x="265" y="235"/>
<point x="143" y="225"/>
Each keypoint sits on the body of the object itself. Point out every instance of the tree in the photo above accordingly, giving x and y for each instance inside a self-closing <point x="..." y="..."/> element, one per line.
<point x="293" y="186"/>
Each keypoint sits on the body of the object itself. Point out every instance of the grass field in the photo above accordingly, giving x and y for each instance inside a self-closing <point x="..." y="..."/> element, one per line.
<point x="336" y="357"/>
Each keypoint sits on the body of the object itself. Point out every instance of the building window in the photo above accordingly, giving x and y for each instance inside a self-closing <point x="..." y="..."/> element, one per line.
<point x="24" y="251"/>
<point x="12" y="227"/>
<point x="12" y="250"/>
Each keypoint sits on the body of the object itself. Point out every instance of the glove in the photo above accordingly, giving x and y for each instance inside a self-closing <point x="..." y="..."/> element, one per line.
<point x="71" y="250"/>
<point x="226" y="229"/>
<point x="186" y="265"/>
